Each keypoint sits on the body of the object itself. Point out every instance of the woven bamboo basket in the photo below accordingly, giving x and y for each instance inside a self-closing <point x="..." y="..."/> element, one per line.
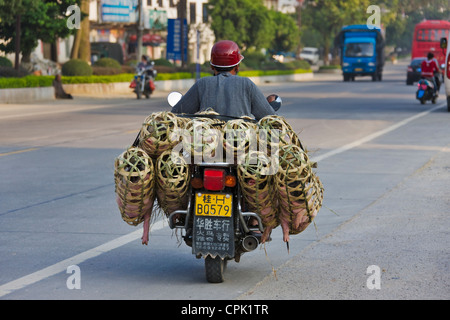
<point x="258" y="189"/>
<point x="182" y="122"/>
<point x="172" y="182"/>
<point x="159" y="133"/>
<point x="299" y="191"/>
<point x="202" y="140"/>
<point x="215" y="123"/>
<point x="275" y="132"/>
<point x="134" y="179"/>
<point x="239" y="138"/>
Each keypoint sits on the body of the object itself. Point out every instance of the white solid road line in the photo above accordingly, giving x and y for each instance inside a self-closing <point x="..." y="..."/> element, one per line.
<point x="374" y="135"/>
<point x="118" y="242"/>
<point x="75" y="260"/>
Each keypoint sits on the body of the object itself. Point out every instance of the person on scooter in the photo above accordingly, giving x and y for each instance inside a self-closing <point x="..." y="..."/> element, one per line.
<point x="143" y="63"/>
<point x="227" y="93"/>
<point x="429" y="68"/>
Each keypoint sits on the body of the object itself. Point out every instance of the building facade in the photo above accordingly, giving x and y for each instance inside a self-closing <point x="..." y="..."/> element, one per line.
<point x="117" y="21"/>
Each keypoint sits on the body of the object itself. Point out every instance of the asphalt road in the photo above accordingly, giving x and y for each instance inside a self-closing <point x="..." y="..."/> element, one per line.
<point x="382" y="233"/>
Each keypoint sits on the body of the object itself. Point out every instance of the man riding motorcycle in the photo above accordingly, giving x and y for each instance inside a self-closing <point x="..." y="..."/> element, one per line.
<point x="429" y="69"/>
<point x="227" y="93"/>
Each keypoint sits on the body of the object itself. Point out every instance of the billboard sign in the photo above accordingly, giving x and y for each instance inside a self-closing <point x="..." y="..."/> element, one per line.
<point x="119" y="11"/>
<point x="157" y="20"/>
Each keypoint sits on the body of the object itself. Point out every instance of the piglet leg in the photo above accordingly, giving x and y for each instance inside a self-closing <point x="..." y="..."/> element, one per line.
<point x="284" y="221"/>
<point x="147" y="224"/>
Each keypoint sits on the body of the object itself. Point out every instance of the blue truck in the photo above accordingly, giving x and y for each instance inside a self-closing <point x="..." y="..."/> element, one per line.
<point x="361" y="52"/>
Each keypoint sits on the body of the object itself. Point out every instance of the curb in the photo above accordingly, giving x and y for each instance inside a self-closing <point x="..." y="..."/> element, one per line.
<point x="17" y="95"/>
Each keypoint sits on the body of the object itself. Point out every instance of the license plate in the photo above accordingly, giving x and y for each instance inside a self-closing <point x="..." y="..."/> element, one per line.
<point x="358" y="69"/>
<point x="213" y="205"/>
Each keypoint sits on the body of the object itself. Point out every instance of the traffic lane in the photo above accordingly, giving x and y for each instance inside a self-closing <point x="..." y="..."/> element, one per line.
<point x="163" y="270"/>
<point x="60" y="204"/>
<point x="52" y="155"/>
<point x="56" y="123"/>
<point x="379" y="178"/>
<point x="392" y="188"/>
<point x="50" y="192"/>
<point x="353" y="181"/>
<point x="387" y="158"/>
<point x="46" y="232"/>
<point x="403" y="232"/>
<point x="342" y="119"/>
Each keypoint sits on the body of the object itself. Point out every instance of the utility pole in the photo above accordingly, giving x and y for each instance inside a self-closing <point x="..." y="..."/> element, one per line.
<point x="182" y="16"/>
<point x="139" y="30"/>
<point x="299" y="25"/>
<point x="17" y="44"/>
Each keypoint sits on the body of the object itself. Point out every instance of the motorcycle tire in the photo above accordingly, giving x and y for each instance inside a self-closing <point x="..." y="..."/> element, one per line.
<point x="138" y="91"/>
<point x="214" y="269"/>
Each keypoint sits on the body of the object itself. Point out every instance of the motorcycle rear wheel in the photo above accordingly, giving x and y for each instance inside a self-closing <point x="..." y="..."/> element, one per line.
<point x="138" y="89"/>
<point x="215" y="269"/>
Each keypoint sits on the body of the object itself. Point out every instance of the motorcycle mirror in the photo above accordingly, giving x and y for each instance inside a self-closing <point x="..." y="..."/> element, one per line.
<point x="275" y="101"/>
<point x="173" y="98"/>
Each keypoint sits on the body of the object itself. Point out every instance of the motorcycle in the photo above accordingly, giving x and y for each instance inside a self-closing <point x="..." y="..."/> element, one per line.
<point x="425" y="91"/>
<point x="214" y="222"/>
<point x="143" y="82"/>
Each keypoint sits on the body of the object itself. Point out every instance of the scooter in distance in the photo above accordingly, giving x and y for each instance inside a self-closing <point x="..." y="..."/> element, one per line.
<point x="143" y="82"/>
<point x="425" y="91"/>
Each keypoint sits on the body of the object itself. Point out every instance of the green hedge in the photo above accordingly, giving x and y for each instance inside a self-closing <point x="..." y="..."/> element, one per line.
<point x="123" y="77"/>
<point x="107" y="62"/>
<point x="5" y="62"/>
<point x="76" y="67"/>
<point x="26" y="82"/>
<point x="179" y="75"/>
<point x="46" y="81"/>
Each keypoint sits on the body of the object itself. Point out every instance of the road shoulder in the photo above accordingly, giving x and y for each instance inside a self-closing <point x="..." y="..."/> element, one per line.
<point x="418" y="225"/>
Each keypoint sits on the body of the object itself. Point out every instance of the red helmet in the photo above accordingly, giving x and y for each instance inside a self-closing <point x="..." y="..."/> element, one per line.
<point x="225" y="54"/>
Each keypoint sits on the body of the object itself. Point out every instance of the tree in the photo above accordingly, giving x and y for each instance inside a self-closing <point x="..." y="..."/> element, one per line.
<point x="246" y="22"/>
<point x="81" y="48"/>
<point x="328" y="17"/>
<point x="286" y="32"/>
<point x="405" y="14"/>
<point x="322" y="19"/>
<point x="24" y="22"/>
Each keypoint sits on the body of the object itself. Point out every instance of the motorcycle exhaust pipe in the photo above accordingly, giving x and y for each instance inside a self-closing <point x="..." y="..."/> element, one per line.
<point x="250" y="243"/>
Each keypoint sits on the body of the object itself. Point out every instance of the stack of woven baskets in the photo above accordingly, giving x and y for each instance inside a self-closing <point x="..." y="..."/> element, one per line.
<point x="274" y="171"/>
